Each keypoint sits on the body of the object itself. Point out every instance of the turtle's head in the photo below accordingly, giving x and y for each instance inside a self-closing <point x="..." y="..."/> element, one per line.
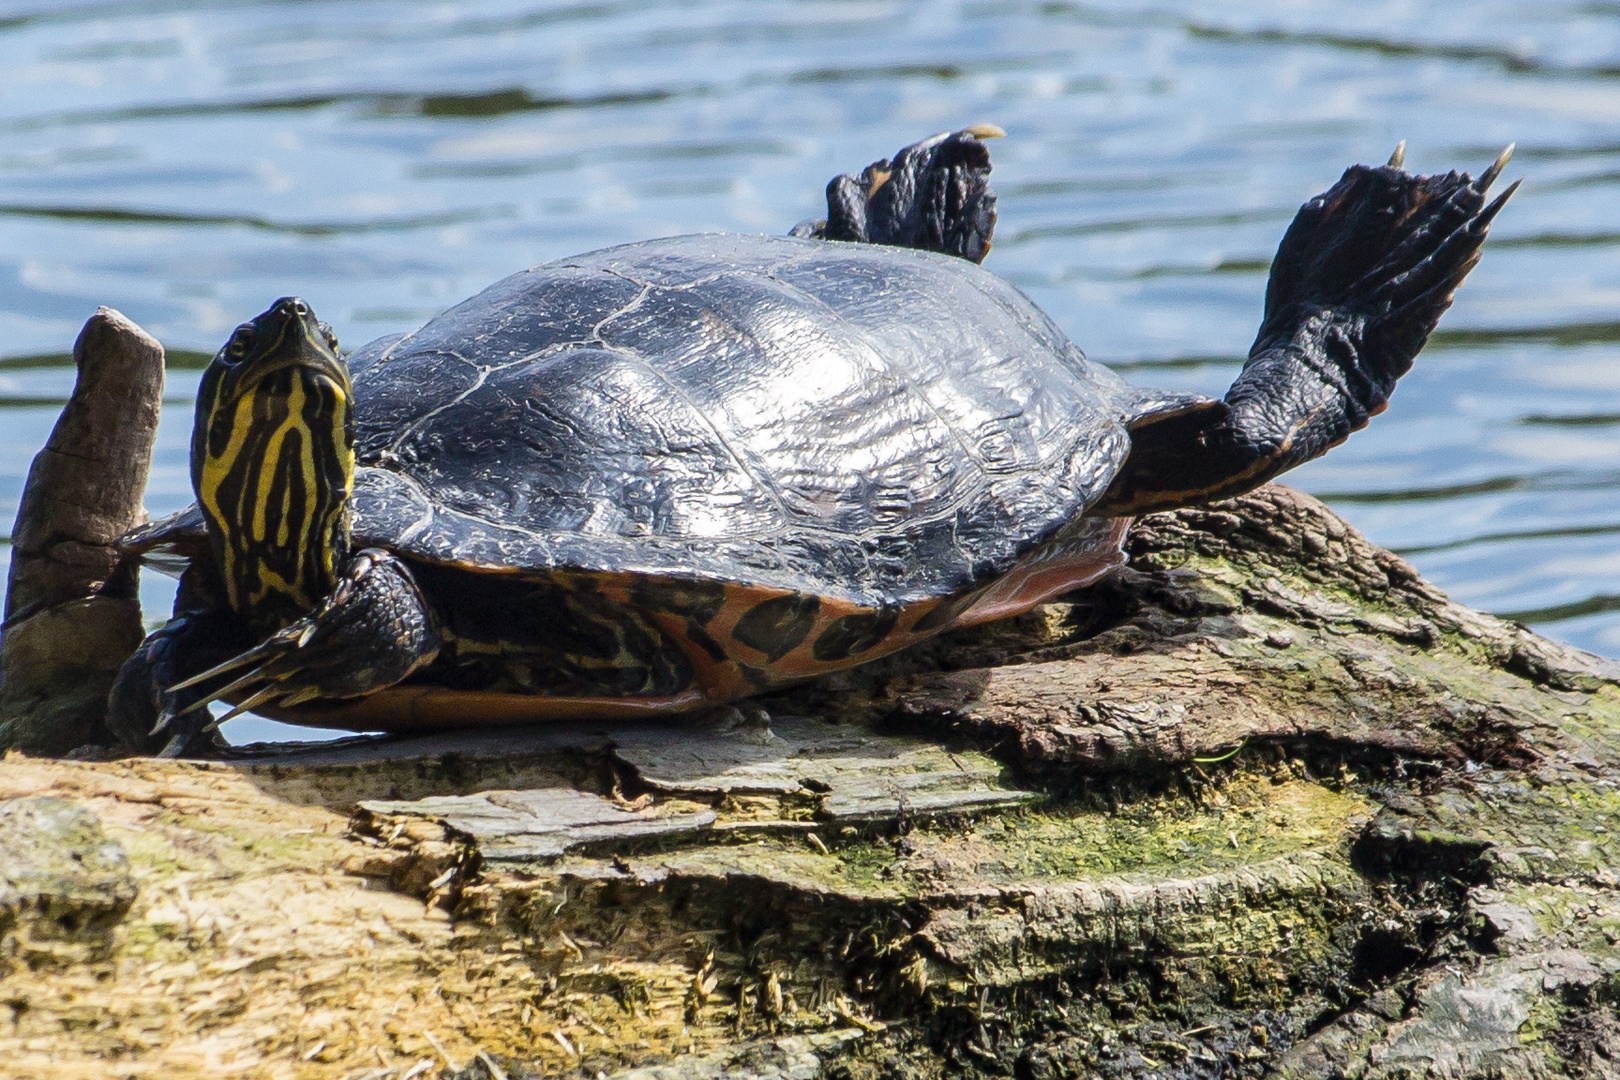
<point x="272" y="462"/>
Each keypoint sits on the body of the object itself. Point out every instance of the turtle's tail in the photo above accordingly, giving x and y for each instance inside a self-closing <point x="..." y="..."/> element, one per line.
<point x="1359" y="281"/>
<point x="934" y="195"/>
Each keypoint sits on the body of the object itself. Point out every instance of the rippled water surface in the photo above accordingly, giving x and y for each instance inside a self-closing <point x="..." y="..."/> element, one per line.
<point x="187" y="163"/>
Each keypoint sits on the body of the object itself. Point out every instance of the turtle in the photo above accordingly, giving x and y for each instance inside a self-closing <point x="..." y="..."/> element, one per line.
<point x="674" y="474"/>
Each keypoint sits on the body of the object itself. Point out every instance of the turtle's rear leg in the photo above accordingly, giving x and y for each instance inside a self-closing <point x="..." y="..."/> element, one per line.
<point x="1359" y="281"/>
<point x="374" y="629"/>
<point x="934" y="195"/>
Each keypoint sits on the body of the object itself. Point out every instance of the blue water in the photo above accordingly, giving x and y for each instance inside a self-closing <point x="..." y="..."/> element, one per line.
<point x="187" y="163"/>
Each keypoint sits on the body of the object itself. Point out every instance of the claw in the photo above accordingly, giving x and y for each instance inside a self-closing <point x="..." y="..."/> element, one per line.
<point x="985" y="131"/>
<point x="1488" y="177"/>
<point x="258" y="660"/>
<point x="298" y="697"/>
<point x="1398" y="158"/>
<point x="225" y="691"/>
<point x="265" y="651"/>
<point x="252" y="657"/>
<point x="247" y="705"/>
<point x="239" y="660"/>
<point x="1480" y="223"/>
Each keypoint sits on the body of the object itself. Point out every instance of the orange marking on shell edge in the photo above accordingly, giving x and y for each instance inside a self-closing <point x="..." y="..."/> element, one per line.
<point x="1037" y="579"/>
<point x="715" y="682"/>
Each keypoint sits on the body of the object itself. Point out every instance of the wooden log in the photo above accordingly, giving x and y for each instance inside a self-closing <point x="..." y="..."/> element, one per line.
<point x="72" y="615"/>
<point x="1263" y="804"/>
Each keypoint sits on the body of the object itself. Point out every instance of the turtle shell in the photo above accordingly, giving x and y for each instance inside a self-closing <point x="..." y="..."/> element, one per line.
<point x="865" y="424"/>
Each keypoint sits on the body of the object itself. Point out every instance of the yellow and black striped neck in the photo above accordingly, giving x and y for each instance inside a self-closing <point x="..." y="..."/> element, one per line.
<point x="272" y="462"/>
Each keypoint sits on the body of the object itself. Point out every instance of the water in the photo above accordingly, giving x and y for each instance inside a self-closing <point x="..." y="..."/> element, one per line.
<point x="188" y="162"/>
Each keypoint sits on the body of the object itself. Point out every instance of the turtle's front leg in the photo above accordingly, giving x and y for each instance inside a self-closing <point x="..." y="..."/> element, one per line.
<point x="373" y="630"/>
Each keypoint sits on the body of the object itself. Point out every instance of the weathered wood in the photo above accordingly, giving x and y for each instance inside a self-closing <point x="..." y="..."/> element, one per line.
<point x="72" y="615"/>
<point x="64" y="885"/>
<point x="844" y="773"/>
<point x="1263" y="804"/>
<point x="536" y="824"/>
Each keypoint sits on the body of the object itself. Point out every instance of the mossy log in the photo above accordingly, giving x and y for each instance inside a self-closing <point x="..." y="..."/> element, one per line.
<point x="1263" y="803"/>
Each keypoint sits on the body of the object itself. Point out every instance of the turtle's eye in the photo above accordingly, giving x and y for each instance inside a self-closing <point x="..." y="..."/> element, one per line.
<point x="241" y="338"/>
<point x="331" y="338"/>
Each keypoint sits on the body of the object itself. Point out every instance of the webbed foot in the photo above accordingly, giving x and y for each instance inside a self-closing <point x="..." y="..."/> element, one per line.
<point x="934" y="195"/>
<point x="1360" y="280"/>
<point x="373" y="630"/>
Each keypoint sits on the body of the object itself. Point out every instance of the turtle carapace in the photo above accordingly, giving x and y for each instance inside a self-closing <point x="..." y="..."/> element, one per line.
<point x="677" y="473"/>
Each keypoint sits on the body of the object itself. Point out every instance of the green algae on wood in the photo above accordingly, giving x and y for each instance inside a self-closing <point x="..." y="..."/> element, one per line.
<point x="1264" y="803"/>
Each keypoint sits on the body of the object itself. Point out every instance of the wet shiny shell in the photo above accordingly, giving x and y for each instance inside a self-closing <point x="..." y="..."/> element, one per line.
<point x="870" y="425"/>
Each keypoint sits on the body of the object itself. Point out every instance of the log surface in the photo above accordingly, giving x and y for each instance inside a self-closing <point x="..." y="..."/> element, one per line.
<point x="1264" y="803"/>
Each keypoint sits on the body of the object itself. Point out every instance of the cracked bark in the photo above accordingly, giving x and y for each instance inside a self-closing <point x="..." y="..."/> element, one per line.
<point x="1264" y="803"/>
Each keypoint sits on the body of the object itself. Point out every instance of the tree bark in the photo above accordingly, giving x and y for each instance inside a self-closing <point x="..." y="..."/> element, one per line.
<point x="1263" y="803"/>
<point x="72" y="615"/>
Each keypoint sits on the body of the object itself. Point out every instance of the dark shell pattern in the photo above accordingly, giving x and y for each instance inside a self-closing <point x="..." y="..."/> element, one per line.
<point x="871" y="425"/>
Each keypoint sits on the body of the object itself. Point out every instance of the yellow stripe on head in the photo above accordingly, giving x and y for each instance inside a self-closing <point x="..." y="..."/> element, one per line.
<point x="272" y="461"/>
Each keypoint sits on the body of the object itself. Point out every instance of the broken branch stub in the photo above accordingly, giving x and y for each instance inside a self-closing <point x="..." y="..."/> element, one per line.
<point x="72" y="614"/>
